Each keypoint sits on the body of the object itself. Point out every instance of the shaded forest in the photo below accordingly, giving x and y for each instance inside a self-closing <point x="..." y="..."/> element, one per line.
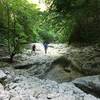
<point x="64" y="21"/>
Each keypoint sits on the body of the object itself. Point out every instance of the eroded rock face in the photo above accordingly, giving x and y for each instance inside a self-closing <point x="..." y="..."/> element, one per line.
<point x="85" y="59"/>
<point x="90" y="84"/>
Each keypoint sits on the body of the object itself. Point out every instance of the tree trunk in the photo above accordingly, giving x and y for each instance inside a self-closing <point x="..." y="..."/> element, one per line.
<point x="8" y="28"/>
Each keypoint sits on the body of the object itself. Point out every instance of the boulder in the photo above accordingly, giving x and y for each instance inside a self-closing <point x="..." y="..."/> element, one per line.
<point x="2" y="75"/>
<point x="90" y="84"/>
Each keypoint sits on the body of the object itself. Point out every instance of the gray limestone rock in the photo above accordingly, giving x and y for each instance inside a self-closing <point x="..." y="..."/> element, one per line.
<point x="90" y="84"/>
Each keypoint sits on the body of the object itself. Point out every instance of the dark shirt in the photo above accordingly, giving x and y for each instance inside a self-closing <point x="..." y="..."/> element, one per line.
<point x="33" y="47"/>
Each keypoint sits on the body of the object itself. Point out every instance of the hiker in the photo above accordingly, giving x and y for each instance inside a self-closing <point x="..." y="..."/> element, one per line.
<point x="34" y="49"/>
<point x="45" y="44"/>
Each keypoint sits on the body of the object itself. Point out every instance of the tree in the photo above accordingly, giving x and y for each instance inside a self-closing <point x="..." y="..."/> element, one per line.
<point x="19" y="19"/>
<point x="80" y="17"/>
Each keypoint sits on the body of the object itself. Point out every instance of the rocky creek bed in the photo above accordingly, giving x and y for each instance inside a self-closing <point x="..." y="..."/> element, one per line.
<point x="44" y="77"/>
<point x="27" y="87"/>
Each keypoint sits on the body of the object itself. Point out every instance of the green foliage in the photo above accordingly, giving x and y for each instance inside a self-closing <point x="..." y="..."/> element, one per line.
<point x="66" y="21"/>
<point x="45" y="30"/>
<point x="46" y="36"/>
<point x="18" y="19"/>
<point x="80" y="21"/>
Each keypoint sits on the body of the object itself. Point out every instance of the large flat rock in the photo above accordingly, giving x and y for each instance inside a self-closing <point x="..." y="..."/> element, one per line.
<point x="90" y="84"/>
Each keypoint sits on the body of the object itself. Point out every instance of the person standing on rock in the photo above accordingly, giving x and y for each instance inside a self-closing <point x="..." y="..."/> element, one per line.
<point x="34" y="49"/>
<point x="45" y="44"/>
